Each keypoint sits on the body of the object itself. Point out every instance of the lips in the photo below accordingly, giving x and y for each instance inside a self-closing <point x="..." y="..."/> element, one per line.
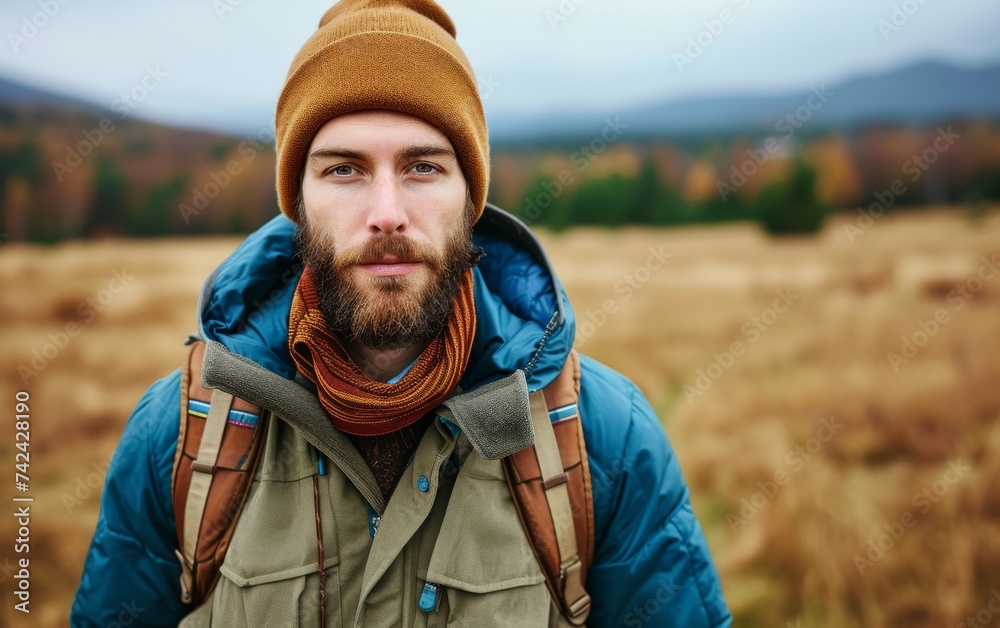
<point x="389" y="266"/>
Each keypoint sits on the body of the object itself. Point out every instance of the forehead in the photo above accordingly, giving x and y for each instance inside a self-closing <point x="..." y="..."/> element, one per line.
<point x="366" y="126"/>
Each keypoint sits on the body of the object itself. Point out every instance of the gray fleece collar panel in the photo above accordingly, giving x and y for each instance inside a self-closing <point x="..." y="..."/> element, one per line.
<point x="496" y="418"/>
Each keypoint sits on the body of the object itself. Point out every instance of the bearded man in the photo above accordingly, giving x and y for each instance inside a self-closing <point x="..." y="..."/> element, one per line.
<point x="390" y="336"/>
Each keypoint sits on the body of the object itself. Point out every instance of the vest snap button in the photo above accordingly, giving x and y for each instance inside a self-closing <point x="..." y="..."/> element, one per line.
<point x="423" y="483"/>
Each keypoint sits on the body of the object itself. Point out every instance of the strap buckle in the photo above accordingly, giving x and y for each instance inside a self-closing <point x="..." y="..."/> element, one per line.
<point x="187" y="577"/>
<point x="575" y="596"/>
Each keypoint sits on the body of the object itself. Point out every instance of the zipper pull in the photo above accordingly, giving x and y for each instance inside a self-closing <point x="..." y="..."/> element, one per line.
<point x="430" y="598"/>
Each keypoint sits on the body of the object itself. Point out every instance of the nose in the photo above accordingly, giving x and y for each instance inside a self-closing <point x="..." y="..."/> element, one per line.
<point x="387" y="212"/>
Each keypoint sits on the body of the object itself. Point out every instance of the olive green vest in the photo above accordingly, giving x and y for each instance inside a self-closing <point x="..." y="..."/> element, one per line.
<point x="448" y="550"/>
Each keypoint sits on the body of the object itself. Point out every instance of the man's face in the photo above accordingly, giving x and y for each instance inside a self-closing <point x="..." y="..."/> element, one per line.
<point x="386" y="227"/>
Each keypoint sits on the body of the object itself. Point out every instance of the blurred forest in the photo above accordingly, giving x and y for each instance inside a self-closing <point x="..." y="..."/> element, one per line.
<point x="69" y="173"/>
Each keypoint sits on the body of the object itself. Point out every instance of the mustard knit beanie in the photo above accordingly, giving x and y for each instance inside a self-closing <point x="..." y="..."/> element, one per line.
<point x="381" y="54"/>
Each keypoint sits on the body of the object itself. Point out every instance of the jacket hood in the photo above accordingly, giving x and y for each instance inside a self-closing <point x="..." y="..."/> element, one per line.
<point x="523" y="317"/>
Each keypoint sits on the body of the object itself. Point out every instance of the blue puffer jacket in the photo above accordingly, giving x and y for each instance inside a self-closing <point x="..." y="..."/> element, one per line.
<point x="652" y="566"/>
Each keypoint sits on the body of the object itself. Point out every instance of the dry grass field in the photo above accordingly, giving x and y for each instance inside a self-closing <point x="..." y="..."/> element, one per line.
<point x="833" y="404"/>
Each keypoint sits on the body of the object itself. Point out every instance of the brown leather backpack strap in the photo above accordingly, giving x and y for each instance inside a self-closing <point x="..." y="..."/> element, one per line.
<point x="551" y="486"/>
<point x="219" y="445"/>
<point x="562" y="397"/>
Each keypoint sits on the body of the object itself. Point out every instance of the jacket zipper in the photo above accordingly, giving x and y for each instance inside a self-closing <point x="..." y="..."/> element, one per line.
<point x="430" y="597"/>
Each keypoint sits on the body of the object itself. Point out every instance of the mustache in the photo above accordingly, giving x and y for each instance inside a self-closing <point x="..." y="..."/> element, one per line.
<point x="402" y="248"/>
<point x="318" y="249"/>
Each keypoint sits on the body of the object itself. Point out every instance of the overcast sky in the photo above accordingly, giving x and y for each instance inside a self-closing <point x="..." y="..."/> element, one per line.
<point x="224" y="68"/>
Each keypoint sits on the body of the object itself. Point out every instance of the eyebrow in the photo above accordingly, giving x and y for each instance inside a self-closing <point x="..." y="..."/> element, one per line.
<point x="423" y="150"/>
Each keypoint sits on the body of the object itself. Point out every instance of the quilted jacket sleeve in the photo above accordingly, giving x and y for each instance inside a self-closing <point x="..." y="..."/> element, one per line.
<point x="652" y="565"/>
<point x="131" y="576"/>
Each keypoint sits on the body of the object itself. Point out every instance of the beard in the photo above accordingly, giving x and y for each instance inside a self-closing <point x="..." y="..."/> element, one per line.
<point x="387" y="313"/>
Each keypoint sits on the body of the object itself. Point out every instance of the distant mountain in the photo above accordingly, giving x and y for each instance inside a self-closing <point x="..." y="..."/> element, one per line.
<point x="19" y="94"/>
<point x="920" y="94"/>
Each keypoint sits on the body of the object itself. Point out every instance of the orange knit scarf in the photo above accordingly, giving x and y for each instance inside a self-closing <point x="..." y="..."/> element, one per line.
<point x="358" y="404"/>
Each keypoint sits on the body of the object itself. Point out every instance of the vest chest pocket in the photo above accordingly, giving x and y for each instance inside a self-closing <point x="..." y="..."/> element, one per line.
<point x="482" y="561"/>
<point x="271" y="573"/>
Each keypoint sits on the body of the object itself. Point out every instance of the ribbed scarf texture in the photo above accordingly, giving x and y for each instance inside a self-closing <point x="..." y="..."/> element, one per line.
<point x="356" y="403"/>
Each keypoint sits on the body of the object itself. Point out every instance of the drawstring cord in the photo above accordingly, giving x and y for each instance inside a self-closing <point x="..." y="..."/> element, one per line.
<point x="319" y="548"/>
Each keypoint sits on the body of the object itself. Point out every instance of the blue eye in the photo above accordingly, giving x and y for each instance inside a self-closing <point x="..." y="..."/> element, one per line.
<point x="342" y="171"/>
